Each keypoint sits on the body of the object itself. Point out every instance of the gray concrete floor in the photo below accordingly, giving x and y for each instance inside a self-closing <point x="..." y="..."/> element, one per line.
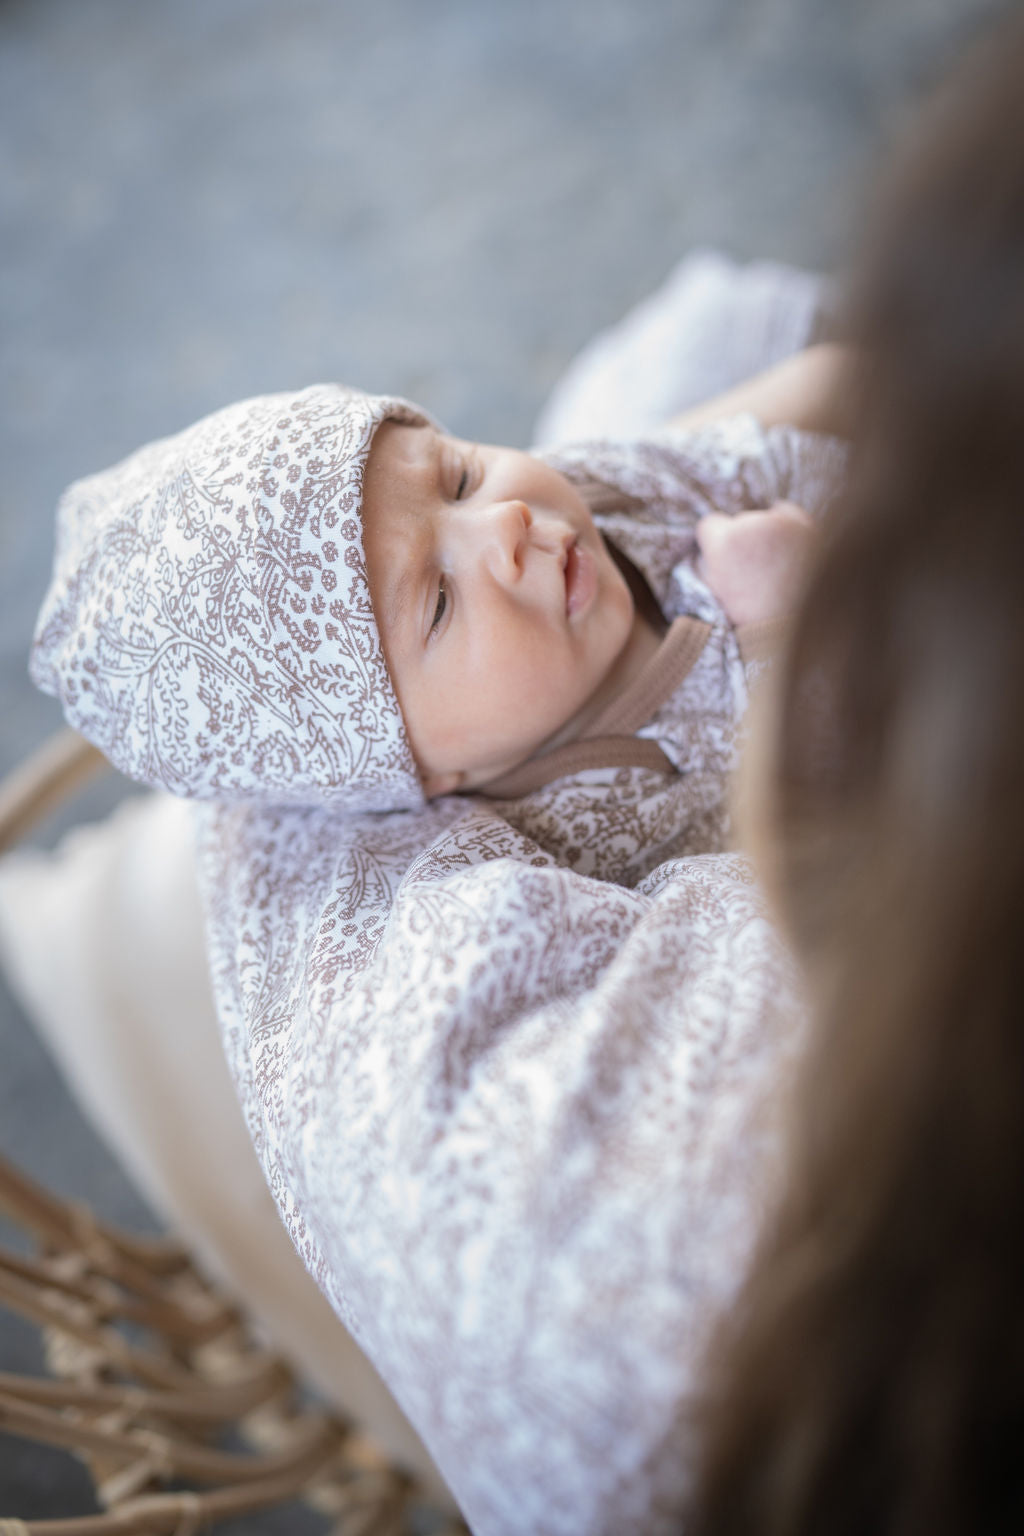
<point x="204" y="199"/>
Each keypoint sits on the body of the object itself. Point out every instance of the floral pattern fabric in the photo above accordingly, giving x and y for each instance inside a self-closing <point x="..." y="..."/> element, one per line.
<point x="508" y="1065"/>
<point x="511" y="1117"/>
<point x="208" y="624"/>
<point x="505" y="1063"/>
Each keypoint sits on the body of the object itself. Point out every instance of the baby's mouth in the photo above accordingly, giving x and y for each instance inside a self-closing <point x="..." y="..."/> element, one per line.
<point x="580" y="579"/>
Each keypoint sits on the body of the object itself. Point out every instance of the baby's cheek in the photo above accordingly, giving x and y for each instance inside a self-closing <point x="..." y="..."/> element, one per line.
<point x="537" y="690"/>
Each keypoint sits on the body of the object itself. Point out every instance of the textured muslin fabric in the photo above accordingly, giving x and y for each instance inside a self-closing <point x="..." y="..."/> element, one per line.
<point x="505" y="1062"/>
<point x="508" y="1064"/>
<point x="208" y="624"/>
<point x="516" y="1122"/>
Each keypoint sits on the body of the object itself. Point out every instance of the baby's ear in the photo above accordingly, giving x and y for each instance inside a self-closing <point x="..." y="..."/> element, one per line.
<point x="435" y="784"/>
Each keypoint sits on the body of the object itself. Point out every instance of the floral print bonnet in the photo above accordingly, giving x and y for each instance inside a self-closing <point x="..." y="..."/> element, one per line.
<point x="208" y="624"/>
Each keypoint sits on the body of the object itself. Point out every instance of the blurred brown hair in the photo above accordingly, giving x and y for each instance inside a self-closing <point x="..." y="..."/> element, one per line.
<point x="871" y="1378"/>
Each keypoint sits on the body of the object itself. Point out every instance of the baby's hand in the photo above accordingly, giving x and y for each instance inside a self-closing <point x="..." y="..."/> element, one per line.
<point x="753" y="561"/>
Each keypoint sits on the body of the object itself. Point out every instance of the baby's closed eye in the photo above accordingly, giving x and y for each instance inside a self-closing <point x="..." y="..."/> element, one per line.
<point x="442" y="604"/>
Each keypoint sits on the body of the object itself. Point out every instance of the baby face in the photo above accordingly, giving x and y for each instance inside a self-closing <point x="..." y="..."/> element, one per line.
<point x="501" y="612"/>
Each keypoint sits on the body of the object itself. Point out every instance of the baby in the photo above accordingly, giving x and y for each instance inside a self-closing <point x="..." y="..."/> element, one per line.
<point x="324" y="597"/>
<point x="508" y="624"/>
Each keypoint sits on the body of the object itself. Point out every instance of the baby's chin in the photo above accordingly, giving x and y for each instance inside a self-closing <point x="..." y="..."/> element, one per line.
<point x="484" y="772"/>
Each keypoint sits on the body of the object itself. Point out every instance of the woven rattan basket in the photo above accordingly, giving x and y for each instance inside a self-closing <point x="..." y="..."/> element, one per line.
<point x="182" y="1419"/>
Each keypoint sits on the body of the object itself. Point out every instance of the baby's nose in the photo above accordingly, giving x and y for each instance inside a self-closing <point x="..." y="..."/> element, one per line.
<point x="502" y="532"/>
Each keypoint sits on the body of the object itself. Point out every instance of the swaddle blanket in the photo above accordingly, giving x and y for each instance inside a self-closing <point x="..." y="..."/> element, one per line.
<point x="505" y="1063"/>
<point x="510" y="1111"/>
<point x="209" y="625"/>
<point x="511" y="1119"/>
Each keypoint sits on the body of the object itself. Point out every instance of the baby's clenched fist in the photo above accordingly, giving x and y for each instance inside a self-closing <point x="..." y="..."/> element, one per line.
<point x="754" y="561"/>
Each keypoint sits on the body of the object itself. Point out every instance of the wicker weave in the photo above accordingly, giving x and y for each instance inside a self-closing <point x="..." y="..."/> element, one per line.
<point x="154" y="1371"/>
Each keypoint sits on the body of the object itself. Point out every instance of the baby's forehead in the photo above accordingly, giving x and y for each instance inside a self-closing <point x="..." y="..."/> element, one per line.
<point x="401" y="478"/>
<point x="403" y="472"/>
<point x="400" y="443"/>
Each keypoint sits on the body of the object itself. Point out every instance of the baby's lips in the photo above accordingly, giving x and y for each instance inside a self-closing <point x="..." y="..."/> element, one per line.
<point x="580" y="574"/>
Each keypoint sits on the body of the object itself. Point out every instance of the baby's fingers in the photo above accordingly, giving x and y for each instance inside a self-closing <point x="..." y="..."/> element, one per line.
<point x="753" y="561"/>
